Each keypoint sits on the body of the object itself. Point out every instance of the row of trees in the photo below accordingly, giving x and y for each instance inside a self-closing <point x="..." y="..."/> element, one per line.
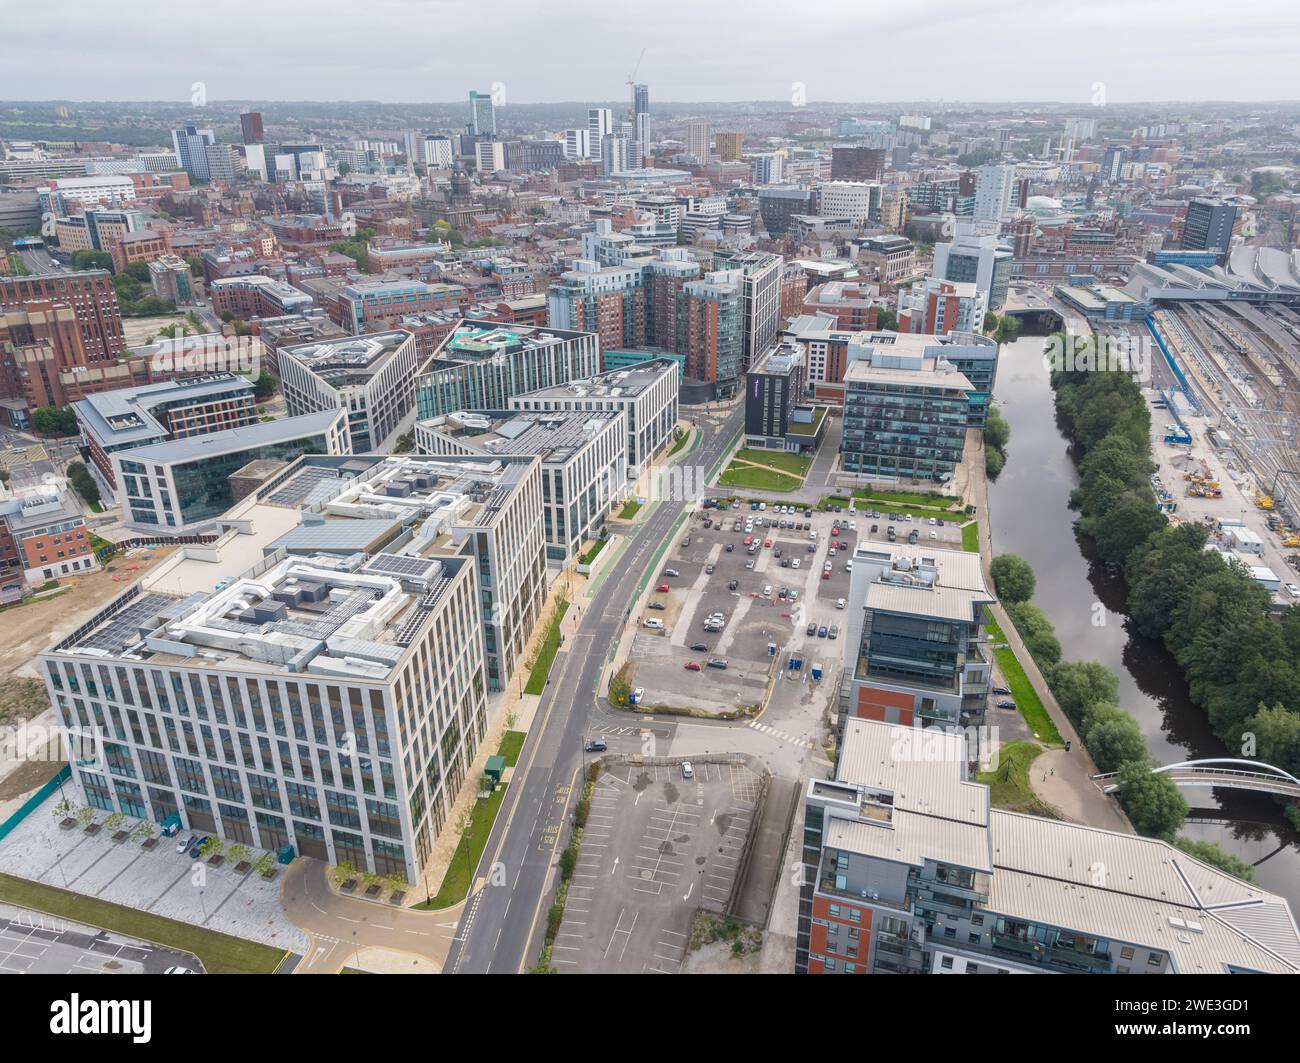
<point x="83" y="483"/>
<point x="996" y="434"/>
<point x="1242" y="665"/>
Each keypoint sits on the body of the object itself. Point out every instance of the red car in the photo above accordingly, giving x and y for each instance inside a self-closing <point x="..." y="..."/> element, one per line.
<point x="662" y="588"/>
<point x="767" y="542"/>
<point x="693" y="666"/>
<point x="826" y="575"/>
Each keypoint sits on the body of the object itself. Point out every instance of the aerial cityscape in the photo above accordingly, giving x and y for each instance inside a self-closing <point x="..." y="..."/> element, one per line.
<point x="655" y="512"/>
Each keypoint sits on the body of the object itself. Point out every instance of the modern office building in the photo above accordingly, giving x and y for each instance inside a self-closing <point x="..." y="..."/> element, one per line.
<point x="436" y="152"/>
<point x="316" y="677"/>
<point x="915" y="647"/>
<point x="183" y="485"/>
<point x="600" y="124"/>
<point x="112" y="421"/>
<point x="906" y="411"/>
<point x="372" y="376"/>
<point x="584" y="462"/>
<point x="577" y="144"/>
<point x="697" y="140"/>
<point x="777" y="414"/>
<point x="1208" y="226"/>
<point x="851" y="162"/>
<point x="730" y="146"/>
<point x="761" y="295"/>
<point x="481" y="364"/>
<point x="482" y="114"/>
<point x="907" y="868"/>
<point x="191" y="146"/>
<point x="994" y="185"/>
<point x="985" y="260"/>
<point x="859" y="201"/>
<point x="645" y="392"/>
<point x="250" y="125"/>
<point x="615" y="154"/>
<point x="43" y="535"/>
<point x="777" y="206"/>
<point x="766" y="168"/>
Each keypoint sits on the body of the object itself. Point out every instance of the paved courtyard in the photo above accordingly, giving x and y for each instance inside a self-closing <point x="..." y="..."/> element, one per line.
<point x="161" y="881"/>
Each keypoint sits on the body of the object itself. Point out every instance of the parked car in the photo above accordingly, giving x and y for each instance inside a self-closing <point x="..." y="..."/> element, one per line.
<point x="662" y="588"/>
<point x="708" y="570"/>
<point x="700" y="647"/>
<point x="196" y="850"/>
<point x="1006" y="703"/>
<point x="185" y="846"/>
<point x="785" y="562"/>
<point x="731" y="547"/>
<point x="686" y="542"/>
<point x="732" y="585"/>
<point x="671" y="573"/>
<point x="821" y="632"/>
<point x="794" y="563"/>
<point x="687" y="771"/>
<point x="717" y="662"/>
<point x="693" y="666"/>
<point x="839" y="603"/>
<point x="656" y="605"/>
<point x="767" y="590"/>
<point x="812" y="628"/>
<point x="1001" y="690"/>
<point x="767" y="544"/>
<point x="833" y="632"/>
<point x="652" y="622"/>
<point x="596" y="745"/>
<point x="749" y="564"/>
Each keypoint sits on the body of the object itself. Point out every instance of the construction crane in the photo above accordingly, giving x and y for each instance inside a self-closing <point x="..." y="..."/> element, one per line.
<point x="631" y="84"/>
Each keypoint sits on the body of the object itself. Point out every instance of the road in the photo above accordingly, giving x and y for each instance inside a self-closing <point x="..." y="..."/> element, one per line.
<point x="498" y="921"/>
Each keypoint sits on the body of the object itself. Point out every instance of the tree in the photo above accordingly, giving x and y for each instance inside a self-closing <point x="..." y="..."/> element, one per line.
<point x="83" y="483"/>
<point x="1216" y="856"/>
<point x="1113" y="737"/>
<point x="1036" y="630"/>
<point x="1152" y="801"/>
<point x="345" y="168"/>
<point x="1008" y="329"/>
<point x="86" y="259"/>
<point x="887" y="320"/>
<point x="265" y="385"/>
<point x="1277" y="737"/>
<point x="996" y="430"/>
<point x="1079" y="685"/>
<point x="54" y="421"/>
<point x="1013" y="578"/>
<point x="990" y="321"/>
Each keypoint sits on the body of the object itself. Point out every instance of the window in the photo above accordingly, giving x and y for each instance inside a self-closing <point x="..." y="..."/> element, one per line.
<point x="1126" y="953"/>
<point x="1156" y="959"/>
<point x="945" y="962"/>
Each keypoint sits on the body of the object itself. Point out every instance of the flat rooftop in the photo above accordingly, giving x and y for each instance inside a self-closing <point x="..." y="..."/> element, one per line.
<point x="475" y="339"/>
<point x="233" y="440"/>
<point x="348" y="359"/>
<point x="329" y="568"/>
<point x="623" y="383"/>
<point x="126" y="415"/>
<point x="555" y="436"/>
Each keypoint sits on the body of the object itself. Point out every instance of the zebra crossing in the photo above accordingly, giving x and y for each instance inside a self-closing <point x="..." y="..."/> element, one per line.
<point x="794" y="740"/>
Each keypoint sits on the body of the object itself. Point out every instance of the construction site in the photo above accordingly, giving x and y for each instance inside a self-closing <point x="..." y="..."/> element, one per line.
<point x="1225" y="391"/>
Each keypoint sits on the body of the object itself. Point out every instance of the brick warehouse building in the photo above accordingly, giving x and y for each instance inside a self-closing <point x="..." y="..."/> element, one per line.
<point x="92" y="297"/>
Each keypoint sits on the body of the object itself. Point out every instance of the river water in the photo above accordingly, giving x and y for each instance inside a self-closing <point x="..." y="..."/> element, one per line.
<point x="1029" y="507"/>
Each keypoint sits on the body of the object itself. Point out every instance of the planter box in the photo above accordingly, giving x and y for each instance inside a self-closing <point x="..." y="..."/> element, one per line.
<point x="67" y="823"/>
<point x="94" y="829"/>
<point x="149" y="843"/>
<point x="349" y="886"/>
<point x="269" y="874"/>
<point x="216" y="861"/>
<point x="121" y="835"/>
<point x="374" y="891"/>
<point x="243" y="866"/>
<point x="397" y="897"/>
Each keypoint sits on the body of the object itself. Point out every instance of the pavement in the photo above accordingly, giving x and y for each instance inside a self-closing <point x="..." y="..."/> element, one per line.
<point x="353" y="932"/>
<point x="497" y="927"/>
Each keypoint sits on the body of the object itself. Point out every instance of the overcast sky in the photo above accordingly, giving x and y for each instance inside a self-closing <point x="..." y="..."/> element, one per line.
<point x="566" y="50"/>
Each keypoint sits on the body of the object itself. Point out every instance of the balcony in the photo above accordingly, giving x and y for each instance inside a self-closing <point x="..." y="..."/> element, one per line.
<point x="1049" y="956"/>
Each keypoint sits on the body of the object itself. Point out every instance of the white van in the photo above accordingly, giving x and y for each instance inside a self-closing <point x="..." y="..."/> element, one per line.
<point x="653" y="622"/>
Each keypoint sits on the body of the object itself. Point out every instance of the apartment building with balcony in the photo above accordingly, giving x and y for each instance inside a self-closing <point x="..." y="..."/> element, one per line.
<point x="907" y="869"/>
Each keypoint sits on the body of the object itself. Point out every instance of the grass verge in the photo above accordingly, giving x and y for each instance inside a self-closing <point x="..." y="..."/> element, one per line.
<point x="511" y="743"/>
<point x="1008" y="783"/>
<point x="546" y="655"/>
<point x="220" y="953"/>
<point x="456" y="882"/>
<point x="970" y="537"/>
<point x="1027" y="700"/>
<point x="630" y="509"/>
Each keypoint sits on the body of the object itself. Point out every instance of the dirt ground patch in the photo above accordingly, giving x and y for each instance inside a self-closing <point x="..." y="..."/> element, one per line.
<point x="29" y="775"/>
<point x="29" y="630"/>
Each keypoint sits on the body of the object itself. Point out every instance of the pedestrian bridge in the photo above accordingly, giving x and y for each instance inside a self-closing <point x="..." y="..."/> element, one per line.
<point x="1222" y="772"/>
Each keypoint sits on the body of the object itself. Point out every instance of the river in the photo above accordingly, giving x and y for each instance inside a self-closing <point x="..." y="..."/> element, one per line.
<point x="1029" y="508"/>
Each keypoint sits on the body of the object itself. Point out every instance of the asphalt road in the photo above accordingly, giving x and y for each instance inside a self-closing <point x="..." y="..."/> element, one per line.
<point x="497" y="925"/>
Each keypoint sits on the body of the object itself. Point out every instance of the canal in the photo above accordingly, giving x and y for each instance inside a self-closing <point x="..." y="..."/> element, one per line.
<point x="1030" y="514"/>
